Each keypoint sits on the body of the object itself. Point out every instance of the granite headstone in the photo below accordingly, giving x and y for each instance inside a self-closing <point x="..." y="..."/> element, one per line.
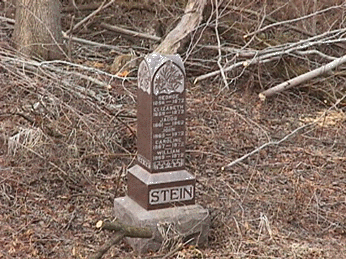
<point x="159" y="180"/>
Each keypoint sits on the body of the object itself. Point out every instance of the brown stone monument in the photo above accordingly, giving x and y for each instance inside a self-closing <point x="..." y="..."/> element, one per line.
<point x="160" y="190"/>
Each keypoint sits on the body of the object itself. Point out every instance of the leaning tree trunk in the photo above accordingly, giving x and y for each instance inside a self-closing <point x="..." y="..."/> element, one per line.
<point x="37" y="31"/>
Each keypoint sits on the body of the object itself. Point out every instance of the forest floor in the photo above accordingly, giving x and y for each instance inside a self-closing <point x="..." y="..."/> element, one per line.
<point x="68" y="135"/>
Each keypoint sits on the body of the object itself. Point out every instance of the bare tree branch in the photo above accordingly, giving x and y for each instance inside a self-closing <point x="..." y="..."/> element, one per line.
<point x="294" y="20"/>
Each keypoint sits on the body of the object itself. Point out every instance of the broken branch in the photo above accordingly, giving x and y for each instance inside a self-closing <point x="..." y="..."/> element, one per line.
<point x="122" y="231"/>
<point x="116" y="239"/>
<point x="302" y="78"/>
<point x="129" y="231"/>
<point x="129" y="32"/>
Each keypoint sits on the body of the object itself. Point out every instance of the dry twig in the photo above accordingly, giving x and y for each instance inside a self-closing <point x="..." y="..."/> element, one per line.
<point x="271" y="143"/>
<point x="219" y="44"/>
<point x="275" y="143"/>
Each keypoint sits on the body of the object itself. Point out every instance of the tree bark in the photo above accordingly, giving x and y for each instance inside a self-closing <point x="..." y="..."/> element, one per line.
<point x="37" y="30"/>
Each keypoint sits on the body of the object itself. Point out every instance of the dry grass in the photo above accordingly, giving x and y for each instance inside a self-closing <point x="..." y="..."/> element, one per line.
<point x="66" y="142"/>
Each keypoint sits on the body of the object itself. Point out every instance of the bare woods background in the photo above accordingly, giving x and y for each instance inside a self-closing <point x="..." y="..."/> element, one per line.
<point x="272" y="172"/>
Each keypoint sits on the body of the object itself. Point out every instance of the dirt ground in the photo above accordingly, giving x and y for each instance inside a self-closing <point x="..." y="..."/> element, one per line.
<point x="68" y="135"/>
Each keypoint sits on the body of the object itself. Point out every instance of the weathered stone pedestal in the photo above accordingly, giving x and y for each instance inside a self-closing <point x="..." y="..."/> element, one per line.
<point x="160" y="191"/>
<point x="189" y="222"/>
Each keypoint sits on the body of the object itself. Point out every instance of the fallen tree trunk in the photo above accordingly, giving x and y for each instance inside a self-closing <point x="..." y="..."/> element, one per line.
<point x="191" y="19"/>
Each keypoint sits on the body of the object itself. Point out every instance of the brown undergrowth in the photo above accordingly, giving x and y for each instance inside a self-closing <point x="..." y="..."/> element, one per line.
<point x="68" y="134"/>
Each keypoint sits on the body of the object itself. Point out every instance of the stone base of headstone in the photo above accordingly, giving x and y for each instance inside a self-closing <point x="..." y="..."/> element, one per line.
<point x="184" y="223"/>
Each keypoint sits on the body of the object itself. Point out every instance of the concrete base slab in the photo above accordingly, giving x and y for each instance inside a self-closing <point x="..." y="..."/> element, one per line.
<point x="169" y="225"/>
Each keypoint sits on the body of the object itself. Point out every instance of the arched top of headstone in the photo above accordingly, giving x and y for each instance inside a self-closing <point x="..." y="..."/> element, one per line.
<point x="159" y="74"/>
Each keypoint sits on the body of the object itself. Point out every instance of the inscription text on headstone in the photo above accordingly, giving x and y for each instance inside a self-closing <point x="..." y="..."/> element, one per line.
<point x="172" y="194"/>
<point x="161" y="114"/>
